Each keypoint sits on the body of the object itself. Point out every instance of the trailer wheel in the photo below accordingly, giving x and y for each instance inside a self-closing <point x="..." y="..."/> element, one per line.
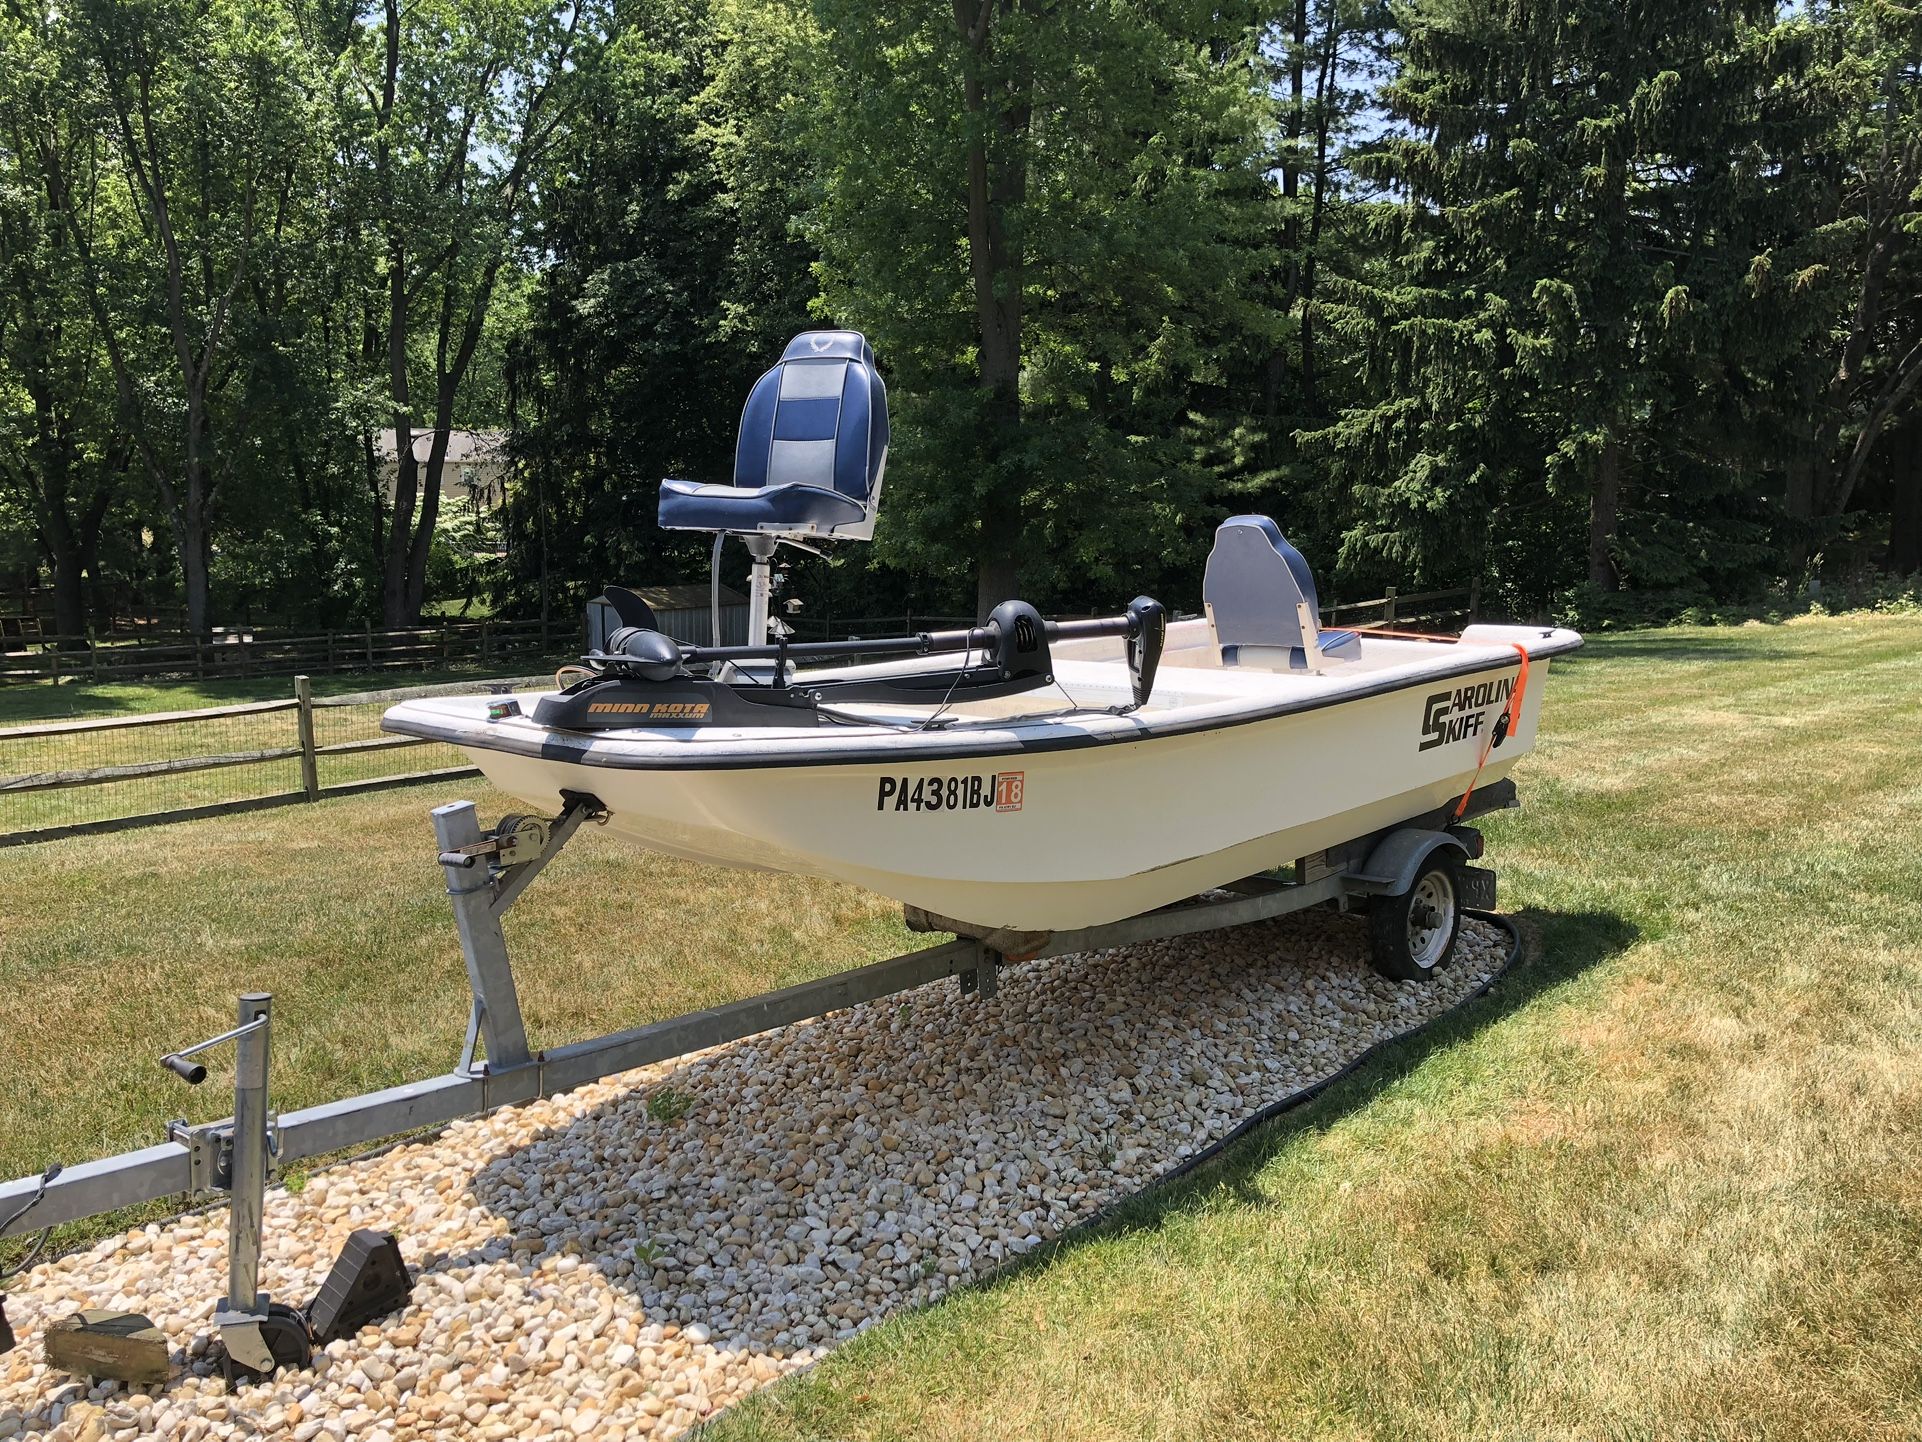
<point x="288" y="1342"/>
<point x="1411" y="936"/>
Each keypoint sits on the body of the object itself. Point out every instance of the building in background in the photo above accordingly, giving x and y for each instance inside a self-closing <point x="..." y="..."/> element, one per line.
<point x="474" y="474"/>
<point x="683" y="613"/>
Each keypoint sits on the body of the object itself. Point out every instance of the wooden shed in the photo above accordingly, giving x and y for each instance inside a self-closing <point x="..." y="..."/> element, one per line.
<point x="683" y="614"/>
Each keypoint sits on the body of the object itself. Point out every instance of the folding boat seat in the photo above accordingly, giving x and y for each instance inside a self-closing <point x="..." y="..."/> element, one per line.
<point x="812" y="449"/>
<point x="1261" y="601"/>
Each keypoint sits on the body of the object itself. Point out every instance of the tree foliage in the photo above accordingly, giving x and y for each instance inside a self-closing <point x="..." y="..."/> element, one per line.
<point x="1571" y="298"/>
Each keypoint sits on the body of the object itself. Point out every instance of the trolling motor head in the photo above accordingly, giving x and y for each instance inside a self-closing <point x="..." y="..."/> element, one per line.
<point x="1020" y="642"/>
<point x="646" y="653"/>
<point x="1146" y="636"/>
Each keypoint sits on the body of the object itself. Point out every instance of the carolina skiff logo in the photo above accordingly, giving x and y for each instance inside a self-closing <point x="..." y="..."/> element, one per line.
<point x="1002" y="791"/>
<point x="1452" y="715"/>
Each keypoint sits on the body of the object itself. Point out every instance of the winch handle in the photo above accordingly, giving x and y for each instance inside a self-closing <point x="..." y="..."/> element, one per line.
<point x="192" y="1072"/>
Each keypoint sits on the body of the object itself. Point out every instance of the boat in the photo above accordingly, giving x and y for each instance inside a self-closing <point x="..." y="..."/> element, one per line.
<point x="1025" y="776"/>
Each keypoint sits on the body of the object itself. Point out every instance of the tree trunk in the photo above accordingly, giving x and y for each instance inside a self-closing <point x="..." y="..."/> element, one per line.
<point x="69" y="596"/>
<point x="1604" y="515"/>
<point x="423" y="543"/>
<point x="1798" y="501"/>
<point x="995" y="266"/>
<point x="191" y="528"/>
<point x="400" y="521"/>
<point x="1905" y="508"/>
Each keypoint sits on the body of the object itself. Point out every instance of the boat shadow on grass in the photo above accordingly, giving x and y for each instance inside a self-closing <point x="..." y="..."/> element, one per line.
<point x="782" y="1204"/>
<point x="1738" y="645"/>
<point x="1557" y="947"/>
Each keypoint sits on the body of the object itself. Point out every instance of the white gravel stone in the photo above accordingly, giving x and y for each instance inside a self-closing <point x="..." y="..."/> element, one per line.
<point x="590" y="1267"/>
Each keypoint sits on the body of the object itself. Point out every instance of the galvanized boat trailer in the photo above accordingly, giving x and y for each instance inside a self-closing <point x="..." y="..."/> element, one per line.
<point x="486" y="872"/>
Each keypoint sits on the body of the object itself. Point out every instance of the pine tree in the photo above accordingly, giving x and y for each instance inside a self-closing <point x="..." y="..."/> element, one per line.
<point x="1569" y="181"/>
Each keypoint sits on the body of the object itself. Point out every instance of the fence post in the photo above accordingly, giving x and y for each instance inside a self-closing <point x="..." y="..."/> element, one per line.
<point x="486" y="627"/>
<point x="331" y="666"/>
<point x="1388" y="607"/>
<point x="369" y="633"/>
<point x="93" y="655"/>
<point x="309" y="758"/>
<point x="1475" y="599"/>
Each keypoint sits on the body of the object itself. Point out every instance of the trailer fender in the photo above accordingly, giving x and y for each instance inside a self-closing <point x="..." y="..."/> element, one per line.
<point x="1397" y="859"/>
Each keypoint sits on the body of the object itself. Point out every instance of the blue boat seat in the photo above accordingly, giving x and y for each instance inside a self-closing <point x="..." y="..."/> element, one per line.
<point x="812" y="450"/>
<point x="1261" y="600"/>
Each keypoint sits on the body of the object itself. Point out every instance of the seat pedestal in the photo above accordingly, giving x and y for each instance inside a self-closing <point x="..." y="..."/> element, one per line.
<point x="760" y="551"/>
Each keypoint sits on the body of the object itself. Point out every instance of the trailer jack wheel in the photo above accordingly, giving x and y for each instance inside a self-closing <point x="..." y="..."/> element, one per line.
<point x="288" y="1341"/>
<point x="1412" y="936"/>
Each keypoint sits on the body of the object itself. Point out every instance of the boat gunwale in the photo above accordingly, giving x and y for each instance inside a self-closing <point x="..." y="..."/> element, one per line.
<point x="581" y="748"/>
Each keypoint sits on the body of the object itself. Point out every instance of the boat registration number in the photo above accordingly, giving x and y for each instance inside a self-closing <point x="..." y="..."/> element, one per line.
<point x="1000" y="791"/>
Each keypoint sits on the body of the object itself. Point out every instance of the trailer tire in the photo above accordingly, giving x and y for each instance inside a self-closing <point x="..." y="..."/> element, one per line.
<point x="288" y="1341"/>
<point x="1412" y="936"/>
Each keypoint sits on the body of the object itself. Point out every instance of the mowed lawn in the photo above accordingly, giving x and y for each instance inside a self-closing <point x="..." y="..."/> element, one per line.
<point x="1664" y="1181"/>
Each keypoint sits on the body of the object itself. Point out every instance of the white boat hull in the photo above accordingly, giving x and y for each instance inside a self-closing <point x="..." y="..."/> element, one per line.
<point x="1056" y="837"/>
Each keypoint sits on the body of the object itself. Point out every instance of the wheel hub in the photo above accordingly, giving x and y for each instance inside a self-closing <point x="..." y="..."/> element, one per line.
<point x="1431" y="912"/>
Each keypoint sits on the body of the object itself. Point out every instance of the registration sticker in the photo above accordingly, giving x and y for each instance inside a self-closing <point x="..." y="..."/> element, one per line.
<point x="997" y="791"/>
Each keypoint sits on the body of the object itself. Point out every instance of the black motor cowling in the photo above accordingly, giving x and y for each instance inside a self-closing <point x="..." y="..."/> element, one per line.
<point x="1021" y="642"/>
<point x="647" y="653"/>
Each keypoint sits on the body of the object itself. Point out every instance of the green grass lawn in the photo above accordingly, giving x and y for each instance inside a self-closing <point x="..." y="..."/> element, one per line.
<point x="1663" y="1181"/>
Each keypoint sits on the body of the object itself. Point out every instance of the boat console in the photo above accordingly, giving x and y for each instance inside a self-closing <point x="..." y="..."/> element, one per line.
<point x="641" y="677"/>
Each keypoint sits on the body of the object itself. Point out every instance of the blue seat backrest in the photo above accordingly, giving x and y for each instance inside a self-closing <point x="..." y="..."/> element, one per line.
<point x="1253" y="582"/>
<point x="819" y="418"/>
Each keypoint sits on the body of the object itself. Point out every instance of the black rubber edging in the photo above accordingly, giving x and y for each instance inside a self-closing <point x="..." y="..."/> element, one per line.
<point x="1186" y="1167"/>
<point x="1261" y="1118"/>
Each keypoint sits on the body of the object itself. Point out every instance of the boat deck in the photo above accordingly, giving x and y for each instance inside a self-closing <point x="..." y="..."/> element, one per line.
<point x="1090" y="676"/>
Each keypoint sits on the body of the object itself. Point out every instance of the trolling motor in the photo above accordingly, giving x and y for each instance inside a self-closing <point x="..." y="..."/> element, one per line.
<point x="644" y="678"/>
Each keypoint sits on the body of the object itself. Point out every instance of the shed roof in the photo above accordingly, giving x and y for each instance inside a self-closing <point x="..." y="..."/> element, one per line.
<point x="685" y="598"/>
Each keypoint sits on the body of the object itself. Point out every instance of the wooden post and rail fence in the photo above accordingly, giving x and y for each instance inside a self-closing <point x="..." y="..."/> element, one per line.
<point x="237" y="652"/>
<point x="35" y="804"/>
<point x="160" y="773"/>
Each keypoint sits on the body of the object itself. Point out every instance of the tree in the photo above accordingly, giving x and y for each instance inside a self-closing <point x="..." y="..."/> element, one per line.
<point x="203" y="107"/>
<point x="672" y="280"/>
<point x="462" y="105"/>
<point x="1864" y="238"/>
<point x="1045" y="217"/>
<point x="62" y="456"/>
<point x="1572" y="186"/>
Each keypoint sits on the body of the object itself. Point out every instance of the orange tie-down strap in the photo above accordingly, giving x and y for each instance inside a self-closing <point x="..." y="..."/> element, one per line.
<point x="1510" y="718"/>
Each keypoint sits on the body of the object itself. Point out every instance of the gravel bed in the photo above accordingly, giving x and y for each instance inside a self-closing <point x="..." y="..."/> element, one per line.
<point x="625" y="1260"/>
